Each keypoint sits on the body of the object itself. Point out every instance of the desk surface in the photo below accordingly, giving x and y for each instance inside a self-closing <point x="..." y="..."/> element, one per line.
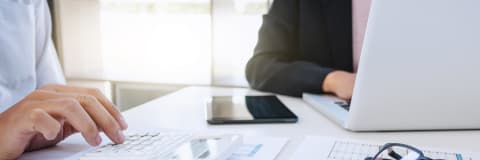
<point x="184" y="110"/>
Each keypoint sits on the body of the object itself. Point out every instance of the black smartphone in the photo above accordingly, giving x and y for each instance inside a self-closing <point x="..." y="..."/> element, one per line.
<point x="248" y="109"/>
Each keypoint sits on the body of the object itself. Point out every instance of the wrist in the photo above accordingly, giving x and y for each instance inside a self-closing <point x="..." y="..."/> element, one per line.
<point x="328" y="82"/>
<point x="3" y="144"/>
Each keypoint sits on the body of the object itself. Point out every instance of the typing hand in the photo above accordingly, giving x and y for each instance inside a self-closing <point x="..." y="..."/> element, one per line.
<point x="52" y="113"/>
<point x="340" y="83"/>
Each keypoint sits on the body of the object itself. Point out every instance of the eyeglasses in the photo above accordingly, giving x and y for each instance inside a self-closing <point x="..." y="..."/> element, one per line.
<point x="398" y="151"/>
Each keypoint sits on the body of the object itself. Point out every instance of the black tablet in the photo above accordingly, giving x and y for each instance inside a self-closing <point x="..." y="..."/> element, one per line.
<point x="248" y="109"/>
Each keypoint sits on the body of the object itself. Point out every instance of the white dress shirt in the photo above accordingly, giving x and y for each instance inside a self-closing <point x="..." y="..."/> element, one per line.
<point x="28" y="59"/>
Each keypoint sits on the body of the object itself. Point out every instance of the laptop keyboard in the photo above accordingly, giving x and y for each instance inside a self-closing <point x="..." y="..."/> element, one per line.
<point x="344" y="104"/>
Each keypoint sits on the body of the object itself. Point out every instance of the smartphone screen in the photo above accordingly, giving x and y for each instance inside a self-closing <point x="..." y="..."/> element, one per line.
<point x="248" y="109"/>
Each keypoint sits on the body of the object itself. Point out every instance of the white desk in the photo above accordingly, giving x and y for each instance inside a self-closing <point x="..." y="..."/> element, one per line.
<point x="184" y="110"/>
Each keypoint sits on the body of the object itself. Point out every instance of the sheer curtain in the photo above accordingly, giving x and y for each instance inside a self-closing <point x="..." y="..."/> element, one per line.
<point x="188" y="42"/>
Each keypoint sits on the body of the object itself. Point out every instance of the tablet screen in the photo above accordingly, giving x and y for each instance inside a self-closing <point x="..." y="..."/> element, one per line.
<point x="249" y="108"/>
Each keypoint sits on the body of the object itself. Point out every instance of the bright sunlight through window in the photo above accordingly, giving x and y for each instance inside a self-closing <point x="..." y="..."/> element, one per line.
<point x="192" y="42"/>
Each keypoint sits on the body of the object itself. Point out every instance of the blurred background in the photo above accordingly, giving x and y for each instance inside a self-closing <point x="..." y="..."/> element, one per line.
<point x="138" y="50"/>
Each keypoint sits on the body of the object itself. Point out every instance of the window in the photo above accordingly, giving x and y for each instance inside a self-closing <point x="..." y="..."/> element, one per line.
<point x="199" y="42"/>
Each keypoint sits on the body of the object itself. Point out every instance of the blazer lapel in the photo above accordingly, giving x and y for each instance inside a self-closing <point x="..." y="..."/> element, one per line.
<point x="338" y="21"/>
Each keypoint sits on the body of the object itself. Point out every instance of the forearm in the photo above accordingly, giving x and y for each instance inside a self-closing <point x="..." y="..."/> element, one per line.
<point x="288" y="78"/>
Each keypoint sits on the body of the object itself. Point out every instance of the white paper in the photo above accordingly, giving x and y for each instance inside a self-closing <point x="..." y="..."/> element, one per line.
<point x="316" y="147"/>
<point x="259" y="148"/>
<point x="254" y="148"/>
<point x="73" y="145"/>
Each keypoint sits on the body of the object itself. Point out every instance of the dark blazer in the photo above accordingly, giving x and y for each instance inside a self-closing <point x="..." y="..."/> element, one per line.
<point x="300" y="42"/>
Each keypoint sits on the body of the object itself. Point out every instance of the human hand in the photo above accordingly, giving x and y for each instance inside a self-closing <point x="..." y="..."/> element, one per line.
<point x="52" y="113"/>
<point x="340" y="83"/>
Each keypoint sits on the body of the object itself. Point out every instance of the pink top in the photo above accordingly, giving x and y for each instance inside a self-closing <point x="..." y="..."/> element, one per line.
<point x="360" y="11"/>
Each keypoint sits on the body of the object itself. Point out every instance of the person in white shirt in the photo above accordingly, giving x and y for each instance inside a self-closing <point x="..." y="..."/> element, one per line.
<point x="36" y="109"/>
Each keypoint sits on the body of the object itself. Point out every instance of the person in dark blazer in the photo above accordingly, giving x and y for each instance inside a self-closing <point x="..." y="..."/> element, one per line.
<point x="309" y="46"/>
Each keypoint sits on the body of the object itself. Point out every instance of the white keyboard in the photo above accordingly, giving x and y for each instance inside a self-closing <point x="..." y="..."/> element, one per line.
<point x="140" y="146"/>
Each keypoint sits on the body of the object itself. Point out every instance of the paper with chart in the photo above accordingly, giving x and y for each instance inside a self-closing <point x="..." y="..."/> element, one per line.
<point x="327" y="148"/>
<point x="259" y="148"/>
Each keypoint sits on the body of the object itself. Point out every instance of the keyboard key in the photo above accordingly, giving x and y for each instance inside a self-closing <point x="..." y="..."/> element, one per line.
<point x="139" y="146"/>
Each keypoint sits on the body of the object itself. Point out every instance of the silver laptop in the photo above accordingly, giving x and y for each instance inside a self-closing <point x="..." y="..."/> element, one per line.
<point x="419" y="69"/>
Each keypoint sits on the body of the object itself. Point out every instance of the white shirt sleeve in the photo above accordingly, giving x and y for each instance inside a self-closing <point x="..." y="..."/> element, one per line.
<point x="27" y="57"/>
<point x="48" y="68"/>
